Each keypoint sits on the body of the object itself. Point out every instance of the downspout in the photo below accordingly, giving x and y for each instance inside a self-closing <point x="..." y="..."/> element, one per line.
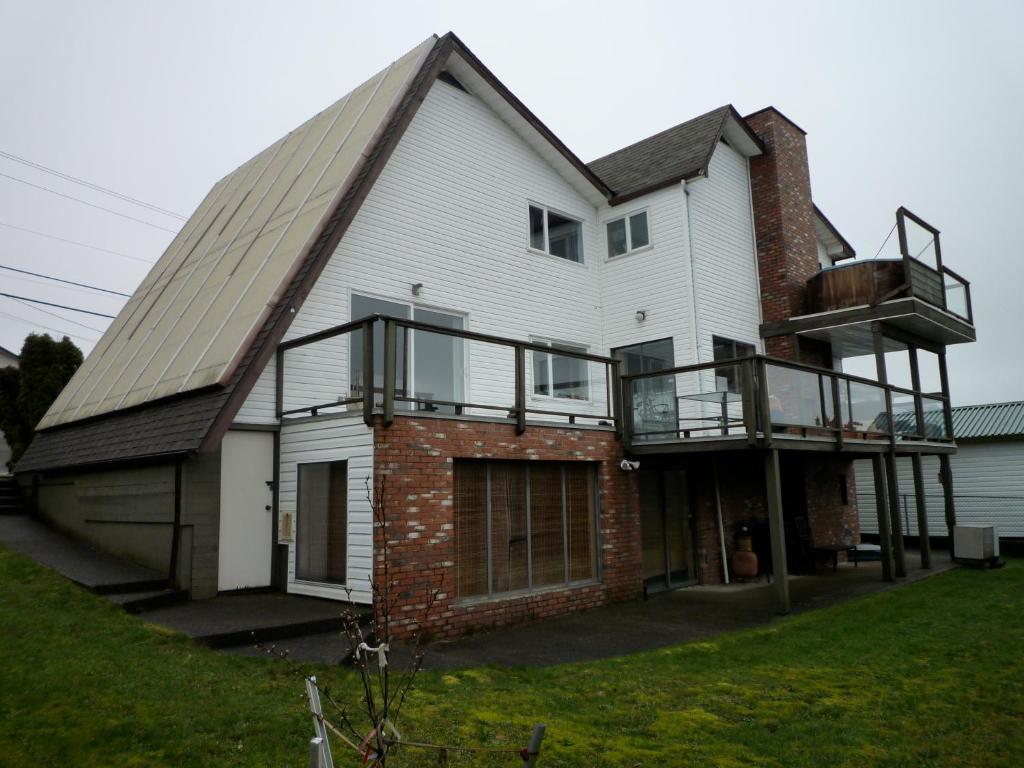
<point x="172" y="575"/>
<point x="694" y="313"/>
<point x="757" y="258"/>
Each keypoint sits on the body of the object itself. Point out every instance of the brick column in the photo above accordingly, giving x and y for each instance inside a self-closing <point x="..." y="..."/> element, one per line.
<point x="787" y="254"/>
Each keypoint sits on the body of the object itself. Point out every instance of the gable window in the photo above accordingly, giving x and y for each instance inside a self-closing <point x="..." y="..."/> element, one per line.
<point x="562" y="376"/>
<point x="522" y="525"/>
<point x="727" y="378"/>
<point x="629" y="233"/>
<point x="556" y="234"/>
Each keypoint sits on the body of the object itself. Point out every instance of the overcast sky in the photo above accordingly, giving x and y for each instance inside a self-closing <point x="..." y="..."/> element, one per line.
<point x="904" y="103"/>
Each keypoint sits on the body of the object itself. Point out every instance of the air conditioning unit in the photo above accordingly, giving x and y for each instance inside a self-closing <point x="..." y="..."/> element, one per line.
<point x="976" y="544"/>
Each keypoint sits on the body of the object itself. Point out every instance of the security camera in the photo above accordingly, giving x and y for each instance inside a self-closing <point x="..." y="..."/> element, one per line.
<point x="629" y="466"/>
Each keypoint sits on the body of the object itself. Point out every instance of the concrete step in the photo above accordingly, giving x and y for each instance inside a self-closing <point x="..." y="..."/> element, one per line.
<point x="127" y="587"/>
<point x="140" y="602"/>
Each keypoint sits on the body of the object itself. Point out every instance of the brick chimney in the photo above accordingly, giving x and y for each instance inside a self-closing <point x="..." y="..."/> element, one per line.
<point x="787" y="254"/>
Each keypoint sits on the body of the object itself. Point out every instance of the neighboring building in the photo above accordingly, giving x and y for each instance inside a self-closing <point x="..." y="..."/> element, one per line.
<point x="7" y="360"/>
<point x="988" y="474"/>
<point x="422" y="287"/>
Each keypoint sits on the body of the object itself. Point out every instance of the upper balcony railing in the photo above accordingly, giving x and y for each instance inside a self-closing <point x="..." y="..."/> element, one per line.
<point x="859" y="283"/>
<point x="762" y="398"/>
<point x="383" y="365"/>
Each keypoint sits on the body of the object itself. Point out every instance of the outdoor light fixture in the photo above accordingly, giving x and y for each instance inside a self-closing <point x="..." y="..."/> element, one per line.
<point x="416" y="288"/>
<point x="641" y="315"/>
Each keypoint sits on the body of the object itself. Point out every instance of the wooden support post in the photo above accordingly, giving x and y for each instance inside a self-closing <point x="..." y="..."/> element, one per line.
<point x="615" y="372"/>
<point x="777" y="528"/>
<point x="764" y="401"/>
<point x="879" y="344"/>
<point x="882" y="507"/>
<point x="922" y="512"/>
<point x="915" y="384"/>
<point x="368" y="373"/>
<point x="172" y="568"/>
<point x="520" y="406"/>
<point x="749" y="401"/>
<point x="390" y="369"/>
<point x="899" y="555"/>
<point x="947" y="407"/>
<point x="946" y="475"/>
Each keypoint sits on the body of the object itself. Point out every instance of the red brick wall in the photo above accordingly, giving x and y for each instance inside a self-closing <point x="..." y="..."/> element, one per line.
<point x="741" y="484"/>
<point x="414" y="458"/>
<point x="787" y="252"/>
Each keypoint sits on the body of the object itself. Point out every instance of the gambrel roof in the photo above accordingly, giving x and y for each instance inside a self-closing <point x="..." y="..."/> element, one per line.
<point x="175" y="366"/>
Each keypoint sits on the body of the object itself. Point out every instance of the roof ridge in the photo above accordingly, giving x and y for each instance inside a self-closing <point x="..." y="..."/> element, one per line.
<point x="636" y="143"/>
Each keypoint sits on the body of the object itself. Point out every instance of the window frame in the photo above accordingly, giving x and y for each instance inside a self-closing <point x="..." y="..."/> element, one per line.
<point x="566" y="346"/>
<point x="629" y="234"/>
<point x="567" y="582"/>
<point x="716" y="340"/>
<point x="546" y="251"/>
<point x="296" y="541"/>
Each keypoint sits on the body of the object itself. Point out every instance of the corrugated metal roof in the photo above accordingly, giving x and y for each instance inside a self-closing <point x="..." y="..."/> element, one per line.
<point x="989" y="420"/>
<point x="191" y="321"/>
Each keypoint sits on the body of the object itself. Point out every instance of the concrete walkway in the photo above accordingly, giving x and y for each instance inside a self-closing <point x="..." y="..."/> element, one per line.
<point x="682" y="616"/>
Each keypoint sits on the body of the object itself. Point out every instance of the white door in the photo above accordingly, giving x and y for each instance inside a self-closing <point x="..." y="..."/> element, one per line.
<point x="246" y="512"/>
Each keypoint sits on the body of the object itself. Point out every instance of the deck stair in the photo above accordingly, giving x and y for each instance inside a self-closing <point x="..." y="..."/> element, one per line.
<point x="11" y="500"/>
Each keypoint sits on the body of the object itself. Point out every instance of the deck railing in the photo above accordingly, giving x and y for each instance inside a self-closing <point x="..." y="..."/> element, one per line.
<point x="938" y="285"/>
<point x="760" y="397"/>
<point x="387" y="365"/>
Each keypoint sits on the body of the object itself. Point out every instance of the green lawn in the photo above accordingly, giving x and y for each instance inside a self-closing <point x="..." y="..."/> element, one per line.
<point x="928" y="675"/>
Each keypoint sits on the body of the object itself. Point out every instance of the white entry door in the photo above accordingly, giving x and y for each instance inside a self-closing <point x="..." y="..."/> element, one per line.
<point x="246" y="512"/>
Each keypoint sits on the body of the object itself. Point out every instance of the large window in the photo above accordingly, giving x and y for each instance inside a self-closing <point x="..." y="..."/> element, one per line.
<point x="557" y="375"/>
<point x="628" y="234"/>
<point x="727" y="378"/>
<point x="321" y="538"/>
<point x="523" y="525"/>
<point x="430" y="366"/>
<point x="556" y="234"/>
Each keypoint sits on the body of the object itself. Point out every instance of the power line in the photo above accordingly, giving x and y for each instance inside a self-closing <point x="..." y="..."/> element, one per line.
<point x="68" y="282"/>
<point x="90" y="185"/>
<point x="58" y="306"/>
<point x="59" y="317"/>
<point x="34" y="324"/>
<point x="75" y="242"/>
<point x="85" y="202"/>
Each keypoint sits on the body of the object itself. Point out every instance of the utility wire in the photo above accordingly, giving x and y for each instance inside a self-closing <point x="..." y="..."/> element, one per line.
<point x="75" y="242"/>
<point x="68" y="282"/>
<point x="34" y="324"/>
<point x="90" y="185"/>
<point x="85" y="202"/>
<point x="58" y="306"/>
<point x="59" y="317"/>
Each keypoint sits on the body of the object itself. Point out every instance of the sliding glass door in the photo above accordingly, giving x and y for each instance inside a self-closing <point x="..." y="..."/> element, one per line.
<point x="430" y="366"/>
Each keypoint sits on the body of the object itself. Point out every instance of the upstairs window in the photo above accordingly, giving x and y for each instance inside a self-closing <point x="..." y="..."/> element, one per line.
<point x="630" y="233"/>
<point x="556" y="234"/>
<point x="561" y="376"/>
<point x="727" y="378"/>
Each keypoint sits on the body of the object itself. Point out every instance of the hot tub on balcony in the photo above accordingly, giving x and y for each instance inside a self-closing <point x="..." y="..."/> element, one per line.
<point x="868" y="283"/>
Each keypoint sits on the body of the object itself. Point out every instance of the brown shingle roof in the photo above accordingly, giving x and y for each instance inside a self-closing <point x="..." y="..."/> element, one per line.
<point x="681" y="152"/>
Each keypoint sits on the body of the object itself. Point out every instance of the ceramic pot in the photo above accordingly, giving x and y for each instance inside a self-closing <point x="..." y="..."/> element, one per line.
<point x="744" y="564"/>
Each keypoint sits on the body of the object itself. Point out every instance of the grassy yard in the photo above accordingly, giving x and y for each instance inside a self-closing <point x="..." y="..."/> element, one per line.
<point x="929" y="675"/>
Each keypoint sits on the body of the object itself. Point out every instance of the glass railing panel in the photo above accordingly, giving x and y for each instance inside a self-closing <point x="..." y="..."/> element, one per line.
<point x="797" y="398"/>
<point x="867" y="410"/>
<point x="680" y="406"/>
<point x="934" y="418"/>
<point x="904" y="415"/>
<point x="956" y="296"/>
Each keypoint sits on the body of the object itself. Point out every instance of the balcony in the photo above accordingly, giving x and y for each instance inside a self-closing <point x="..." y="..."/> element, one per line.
<point x="385" y="367"/>
<point x="760" y="402"/>
<point x="919" y="302"/>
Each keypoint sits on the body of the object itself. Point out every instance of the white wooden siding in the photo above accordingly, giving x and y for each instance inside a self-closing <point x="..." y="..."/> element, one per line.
<point x="450" y="211"/>
<point x="332" y="439"/>
<point x="988" y="483"/>
<point x="724" y="257"/>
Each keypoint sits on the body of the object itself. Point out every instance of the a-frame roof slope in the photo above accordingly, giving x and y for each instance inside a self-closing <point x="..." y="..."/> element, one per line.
<point x="192" y="319"/>
<point x="173" y="369"/>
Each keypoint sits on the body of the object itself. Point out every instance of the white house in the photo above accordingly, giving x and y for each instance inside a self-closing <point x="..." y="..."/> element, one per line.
<point x="422" y="288"/>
